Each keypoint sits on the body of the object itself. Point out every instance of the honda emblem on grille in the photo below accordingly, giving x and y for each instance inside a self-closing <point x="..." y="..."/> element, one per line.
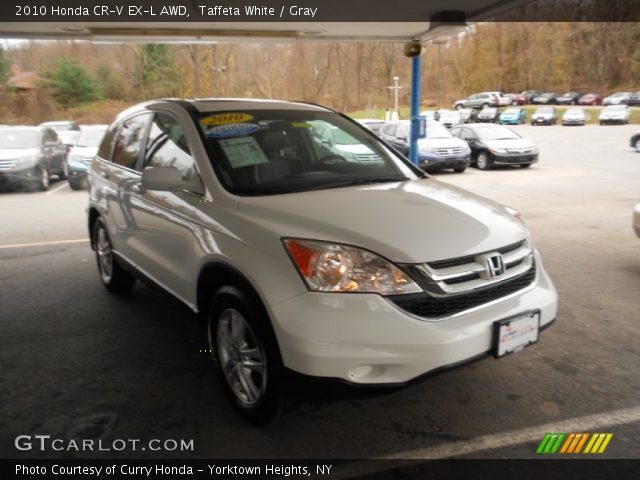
<point x="494" y="265"/>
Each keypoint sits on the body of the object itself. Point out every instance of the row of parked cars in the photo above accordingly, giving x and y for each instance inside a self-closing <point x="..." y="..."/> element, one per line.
<point x="539" y="97"/>
<point x="483" y="145"/>
<point x="31" y="155"/>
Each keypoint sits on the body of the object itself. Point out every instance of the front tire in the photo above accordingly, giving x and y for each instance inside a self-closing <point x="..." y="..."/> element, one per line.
<point x="43" y="179"/>
<point x="637" y="145"/>
<point x="483" y="161"/>
<point x="246" y="355"/>
<point x="115" y="278"/>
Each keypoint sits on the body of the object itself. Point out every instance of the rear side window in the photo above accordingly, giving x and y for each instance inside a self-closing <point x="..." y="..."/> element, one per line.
<point x="106" y="146"/>
<point x="167" y="146"/>
<point x="129" y="140"/>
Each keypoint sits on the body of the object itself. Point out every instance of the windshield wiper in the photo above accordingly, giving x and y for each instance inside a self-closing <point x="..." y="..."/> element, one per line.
<point x="358" y="181"/>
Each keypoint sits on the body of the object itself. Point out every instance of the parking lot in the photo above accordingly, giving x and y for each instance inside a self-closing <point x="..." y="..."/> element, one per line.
<point x="79" y="362"/>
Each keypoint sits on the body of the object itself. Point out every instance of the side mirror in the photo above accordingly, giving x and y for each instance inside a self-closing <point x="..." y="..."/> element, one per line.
<point x="167" y="179"/>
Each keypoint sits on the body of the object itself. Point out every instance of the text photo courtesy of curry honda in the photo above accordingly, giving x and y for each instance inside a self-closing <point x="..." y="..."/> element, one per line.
<point x="235" y="233"/>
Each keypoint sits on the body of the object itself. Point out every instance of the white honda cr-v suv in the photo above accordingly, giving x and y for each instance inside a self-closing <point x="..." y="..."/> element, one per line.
<point x="363" y="270"/>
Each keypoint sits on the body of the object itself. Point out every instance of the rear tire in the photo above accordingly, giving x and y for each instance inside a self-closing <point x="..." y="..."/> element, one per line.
<point x="245" y="351"/>
<point x="115" y="278"/>
<point x="43" y="179"/>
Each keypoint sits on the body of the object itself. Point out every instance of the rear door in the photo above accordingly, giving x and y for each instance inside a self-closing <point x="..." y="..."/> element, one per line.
<point x="116" y="178"/>
<point x="166" y="226"/>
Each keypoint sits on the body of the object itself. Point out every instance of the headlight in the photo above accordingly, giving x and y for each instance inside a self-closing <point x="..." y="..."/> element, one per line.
<point x="425" y="148"/>
<point x="498" y="150"/>
<point x="332" y="267"/>
<point x="27" y="161"/>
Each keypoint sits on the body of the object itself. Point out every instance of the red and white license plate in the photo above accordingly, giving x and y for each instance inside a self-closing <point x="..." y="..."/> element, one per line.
<point x="512" y="334"/>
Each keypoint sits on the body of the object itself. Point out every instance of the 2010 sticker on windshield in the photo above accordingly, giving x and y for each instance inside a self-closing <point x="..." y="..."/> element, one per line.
<point x="232" y="130"/>
<point x="226" y="118"/>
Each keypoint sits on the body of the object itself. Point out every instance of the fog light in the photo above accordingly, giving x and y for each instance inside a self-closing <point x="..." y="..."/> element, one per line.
<point x="357" y="373"/>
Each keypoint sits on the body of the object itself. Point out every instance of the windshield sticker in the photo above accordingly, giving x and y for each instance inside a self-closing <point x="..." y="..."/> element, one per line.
<point x="243" y="152"/>
<point x="226" y="118"/>
<point x="232" y="130"/>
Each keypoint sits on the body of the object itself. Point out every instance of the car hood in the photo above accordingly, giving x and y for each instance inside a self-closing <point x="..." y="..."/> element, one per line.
<point x="10" y="153"/>
<point x="441" y="143"/>
<point x="612" y="114"/>
<point x="512" y="143"/>
<point x="578" y="116"/>
<point x="542" y="115"/>
<point x="82" y="151"/>
<point x="413" y="221"/>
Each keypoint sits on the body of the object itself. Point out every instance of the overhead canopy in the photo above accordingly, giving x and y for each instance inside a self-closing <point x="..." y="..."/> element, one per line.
<point x="340" y="27"/>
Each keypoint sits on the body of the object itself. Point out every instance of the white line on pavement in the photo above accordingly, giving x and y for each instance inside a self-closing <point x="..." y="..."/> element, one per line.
<point x="598" y="421"/>
<point x="39" y="244"/>
<point x="57" y="189"/>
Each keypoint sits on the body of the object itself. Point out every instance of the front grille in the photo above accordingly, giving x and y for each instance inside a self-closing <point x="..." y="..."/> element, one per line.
<point x="519" y="150"/>
<point x="425" y="305"/>
<point x="6" y="165"/>
<point x="448" y="152"/>
<point x="454" y="262"/>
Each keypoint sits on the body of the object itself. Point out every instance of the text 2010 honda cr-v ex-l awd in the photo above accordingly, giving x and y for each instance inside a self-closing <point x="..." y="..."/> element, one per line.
<point x="362" y="269"/>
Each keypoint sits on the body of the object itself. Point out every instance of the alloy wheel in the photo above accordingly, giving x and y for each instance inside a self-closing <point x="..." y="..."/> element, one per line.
<point x="240" y="357"/>
<point x="105" y="255"/>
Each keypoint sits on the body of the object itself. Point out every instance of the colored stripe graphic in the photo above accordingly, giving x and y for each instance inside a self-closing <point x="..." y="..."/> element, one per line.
<point x="573" y="443"/>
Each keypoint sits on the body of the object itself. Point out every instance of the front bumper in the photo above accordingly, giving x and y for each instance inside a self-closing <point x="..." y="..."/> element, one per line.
<point x="573" y="122"/>
<point x="365" y="339"/>
<point x="19" y="175"/>
<point x="541" y="121"/>
<point x="514" y="159"/>
<point x="612" y="121"/>
<point x="509" y="121"/>
<point x="433" y="162"/>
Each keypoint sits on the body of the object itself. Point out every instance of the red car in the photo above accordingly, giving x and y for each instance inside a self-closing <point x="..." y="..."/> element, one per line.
<point x="516" y="98"/>
<point x="590" y="99"/>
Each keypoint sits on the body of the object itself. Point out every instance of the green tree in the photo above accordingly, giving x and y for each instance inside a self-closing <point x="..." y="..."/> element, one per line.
<point x="71" y="84"/>
<point x="158" y="70"/>
<point x="5" y="69"/>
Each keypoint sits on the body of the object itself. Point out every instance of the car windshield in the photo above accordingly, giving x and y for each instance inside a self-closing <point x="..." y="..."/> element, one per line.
<point x="575" y="111"/>
<point x="60" y="127"/>
<point x="488" y="111"/>
<point x="512" y="111"/>
<point x="15" y="138"/>
<point x="619" y="94"/>
<point x="545" y="110"/>
<point x="436" y="130"/>
<point x="90" y="137"/>
<point x="569" y="94"/>
<point x="495" y="132"/>
<point x="616" y="108"/>
<point x="268" y="152"/>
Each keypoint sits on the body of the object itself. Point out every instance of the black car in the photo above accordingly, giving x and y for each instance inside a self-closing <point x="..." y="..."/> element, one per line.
<point x="547" y="98"/>
<point x="494" y="145"/>
<point x="569" y="98"/>
<point x="30" y="155"/>
<point x="634" y="99"/>
<point x="635" y="142"/>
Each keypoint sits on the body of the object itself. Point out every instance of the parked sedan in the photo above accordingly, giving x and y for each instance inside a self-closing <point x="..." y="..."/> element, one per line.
<point x="544" y="116"/>
<point x="635" y="142"/>
<point x="547" y="98"/>
<point x="615" y="114"/>
<point x="450" y="118"/>
<point x="574" y="116"/>
<point x="493" y="145"/>
<point x="516" y="98"/>
<point x="590" y="99"/>
<point x="81" y="154"/>
<point x="513" y="116"/>
<point x="634" y="99"/>
<point x="530" y="94"/>
<point x="569" y="98"/>
<point x="438" y="151"/>
<point x="30" y="155"/>
<point x="618" y="98"/>
<point x="488" y="115"/>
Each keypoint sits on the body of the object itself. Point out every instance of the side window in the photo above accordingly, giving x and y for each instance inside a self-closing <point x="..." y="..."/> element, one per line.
<point x="106" y="146"/>
<point x="129" y="140"/>
<point x="167" y="147"/>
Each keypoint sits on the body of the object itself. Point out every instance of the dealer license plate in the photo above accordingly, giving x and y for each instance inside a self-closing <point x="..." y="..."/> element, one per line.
<point x="511" y="335"/>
